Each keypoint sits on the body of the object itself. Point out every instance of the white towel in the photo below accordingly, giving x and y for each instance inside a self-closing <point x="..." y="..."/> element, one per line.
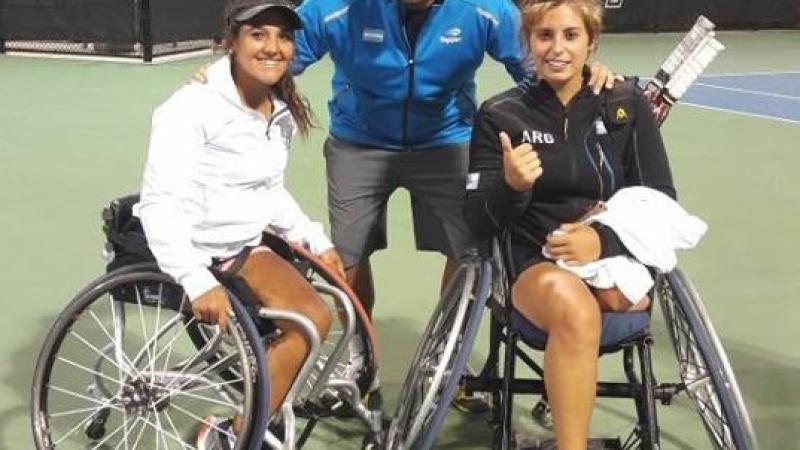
<point x="652" y="226"/>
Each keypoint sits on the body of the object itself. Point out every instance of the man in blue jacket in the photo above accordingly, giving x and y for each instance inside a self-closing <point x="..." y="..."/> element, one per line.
<point x="401" y="114"/>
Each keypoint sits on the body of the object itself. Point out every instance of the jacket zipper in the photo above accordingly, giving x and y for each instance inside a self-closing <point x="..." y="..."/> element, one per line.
<point x="272" y="119"/>
<point x="411" y="55"/>
<point x="599" y="168"/>
<point x="410" y="58"/>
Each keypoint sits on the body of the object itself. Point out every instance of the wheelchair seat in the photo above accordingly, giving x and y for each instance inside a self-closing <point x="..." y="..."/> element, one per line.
<point x="619" y="329"/>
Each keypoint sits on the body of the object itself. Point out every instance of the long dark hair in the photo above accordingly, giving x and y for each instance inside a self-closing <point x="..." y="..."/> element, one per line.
<point x="285" y="89"/>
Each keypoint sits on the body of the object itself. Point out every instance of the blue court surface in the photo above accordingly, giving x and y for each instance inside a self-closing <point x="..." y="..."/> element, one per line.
<point x="773" y="95"/>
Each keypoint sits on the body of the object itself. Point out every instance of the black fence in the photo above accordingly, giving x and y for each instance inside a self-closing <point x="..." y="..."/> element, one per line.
<point x="141" y="29"/>
<point x="150" y="28"/>
<point x="679" y="15"/>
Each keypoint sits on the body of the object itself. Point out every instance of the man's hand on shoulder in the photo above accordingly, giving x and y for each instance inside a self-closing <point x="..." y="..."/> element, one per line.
<point x="200" y="76"/>
<point x="602" y="77"/>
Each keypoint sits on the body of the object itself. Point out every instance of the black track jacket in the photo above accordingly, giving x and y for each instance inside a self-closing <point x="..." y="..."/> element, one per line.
<point x="589" y="149"/>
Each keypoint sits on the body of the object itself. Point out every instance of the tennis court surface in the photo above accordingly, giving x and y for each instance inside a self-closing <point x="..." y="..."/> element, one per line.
<point x="73" y="136"/>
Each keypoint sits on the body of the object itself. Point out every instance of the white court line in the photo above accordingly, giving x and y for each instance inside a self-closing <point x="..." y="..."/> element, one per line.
<point x="747" y="74"/>
<point x="115" y="59"/>
<point x="743" y="113"/>
<point x="748" y="91"/>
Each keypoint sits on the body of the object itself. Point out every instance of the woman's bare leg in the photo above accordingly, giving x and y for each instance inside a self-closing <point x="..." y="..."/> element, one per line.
<point x="560" y="303"/>
<point x="278" y="285"/>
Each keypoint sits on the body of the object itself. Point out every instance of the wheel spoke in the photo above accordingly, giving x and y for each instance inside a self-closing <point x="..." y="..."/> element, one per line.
<point x="679" y="303"/>
<point x="200" y="419"/>
<point x="107" y="437"/>
<point x="89" y="371"/>
<point x="118" y="351"/>
<point x="175" y="438"/>
<point x="200" y="397"/>
<point x="102" y="354"/>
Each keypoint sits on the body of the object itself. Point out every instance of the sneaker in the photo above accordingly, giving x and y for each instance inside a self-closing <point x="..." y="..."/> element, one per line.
<point x="355" y="366"/>
<point x="278" y="429"/>
<point x="374" y="399"/>
<point x="475" y="403"/>
<point x="215" y="433"/>
<point x="521" y="440"/>
<point x="542" y="415"/>
<point x="335" y="406"/>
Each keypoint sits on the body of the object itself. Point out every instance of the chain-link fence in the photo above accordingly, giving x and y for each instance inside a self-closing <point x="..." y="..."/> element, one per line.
<point x="148" y="29"/>
<point x="678" y="15"/>
<point x="135" y="29"/>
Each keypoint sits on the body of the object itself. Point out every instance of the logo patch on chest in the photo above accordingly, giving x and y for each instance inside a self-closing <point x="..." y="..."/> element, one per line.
<point x="451" y="36"/>
<point x="374" y="35"/>
<point x="537" y="137"/>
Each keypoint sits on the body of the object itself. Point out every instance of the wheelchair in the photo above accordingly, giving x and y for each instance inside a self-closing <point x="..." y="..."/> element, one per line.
<point x="127" y="366"/>
<point x="484" y="283"/>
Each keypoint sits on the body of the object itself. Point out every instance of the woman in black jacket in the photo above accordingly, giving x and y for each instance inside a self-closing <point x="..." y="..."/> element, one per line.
<point x="543" y="155"/>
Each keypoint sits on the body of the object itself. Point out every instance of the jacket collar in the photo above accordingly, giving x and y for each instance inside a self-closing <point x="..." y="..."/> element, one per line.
<point x="538" y="91"/>
<point x="221" y="81"/>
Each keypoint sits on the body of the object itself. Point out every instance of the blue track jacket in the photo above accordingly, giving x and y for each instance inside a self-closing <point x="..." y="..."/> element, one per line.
<point x="385" y="95"/>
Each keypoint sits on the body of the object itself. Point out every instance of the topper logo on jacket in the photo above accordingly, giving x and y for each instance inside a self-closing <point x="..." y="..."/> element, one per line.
<point x="537" y="137"/>
<point x="374" y="35"/>
<point x="451" y="36"/>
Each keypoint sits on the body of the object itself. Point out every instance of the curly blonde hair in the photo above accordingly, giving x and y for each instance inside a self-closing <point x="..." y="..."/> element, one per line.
<point x="590" y="11"/>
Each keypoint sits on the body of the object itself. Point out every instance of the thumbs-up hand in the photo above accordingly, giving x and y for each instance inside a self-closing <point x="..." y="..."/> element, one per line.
<point x="521" y="165"/>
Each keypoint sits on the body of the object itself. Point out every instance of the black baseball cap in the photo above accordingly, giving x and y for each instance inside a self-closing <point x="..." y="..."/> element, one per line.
<point x="243" y="10"/>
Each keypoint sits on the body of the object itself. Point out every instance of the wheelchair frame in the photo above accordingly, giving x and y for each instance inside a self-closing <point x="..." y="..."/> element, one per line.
<point x="706" y="375"/>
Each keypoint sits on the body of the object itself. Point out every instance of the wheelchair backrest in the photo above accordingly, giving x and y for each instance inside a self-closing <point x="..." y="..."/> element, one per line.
<point x="125" y="240"/>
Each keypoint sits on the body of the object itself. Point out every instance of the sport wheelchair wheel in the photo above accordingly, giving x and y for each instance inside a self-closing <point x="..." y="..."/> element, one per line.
<point x="704" y="367"/>
<point x="440" y="359"/>
<point x="119" y="371"/>
<point x="333" y="360"/>
<point x="334" y="363"/>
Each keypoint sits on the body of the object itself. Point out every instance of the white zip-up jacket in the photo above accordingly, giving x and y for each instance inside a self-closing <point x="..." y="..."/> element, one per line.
<point x="214" y="181"/>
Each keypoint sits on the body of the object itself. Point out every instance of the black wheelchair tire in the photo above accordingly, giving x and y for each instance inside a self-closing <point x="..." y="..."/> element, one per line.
<point x="255" y="408"/>
<point x="474" y="314"/>
<point x="687" y="319"/>
<point x="401" y="435"/>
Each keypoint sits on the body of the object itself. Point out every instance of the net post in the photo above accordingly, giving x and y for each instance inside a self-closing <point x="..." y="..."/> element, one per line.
<point x="2" y="28"/>
<point x="145" y="27"/>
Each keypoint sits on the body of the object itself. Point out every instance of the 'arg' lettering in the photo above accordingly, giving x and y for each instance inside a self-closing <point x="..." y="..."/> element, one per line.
<point x="537" y="137"/>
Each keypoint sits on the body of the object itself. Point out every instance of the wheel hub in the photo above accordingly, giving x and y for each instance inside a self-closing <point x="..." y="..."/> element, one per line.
<point x="141" y="395"/>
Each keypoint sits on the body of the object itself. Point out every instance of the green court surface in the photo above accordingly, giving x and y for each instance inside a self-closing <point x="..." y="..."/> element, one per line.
<point x="73" y="135"/>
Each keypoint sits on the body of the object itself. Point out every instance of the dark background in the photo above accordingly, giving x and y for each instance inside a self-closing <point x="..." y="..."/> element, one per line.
<point x="118" y="21"/>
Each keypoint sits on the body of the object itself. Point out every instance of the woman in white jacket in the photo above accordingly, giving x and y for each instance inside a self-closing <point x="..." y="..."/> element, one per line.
<point x="214" y="182"/>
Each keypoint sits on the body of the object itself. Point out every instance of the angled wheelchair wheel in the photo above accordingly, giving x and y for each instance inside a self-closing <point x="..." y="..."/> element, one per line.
<point x="440" y="359"/>
<point x="118" y="370"/>
<point x="704" y="367"/>
<point x="350" y="323"/>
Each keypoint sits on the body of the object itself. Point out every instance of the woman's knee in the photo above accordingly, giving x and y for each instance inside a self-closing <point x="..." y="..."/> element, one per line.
<point x="565" y="304"/>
